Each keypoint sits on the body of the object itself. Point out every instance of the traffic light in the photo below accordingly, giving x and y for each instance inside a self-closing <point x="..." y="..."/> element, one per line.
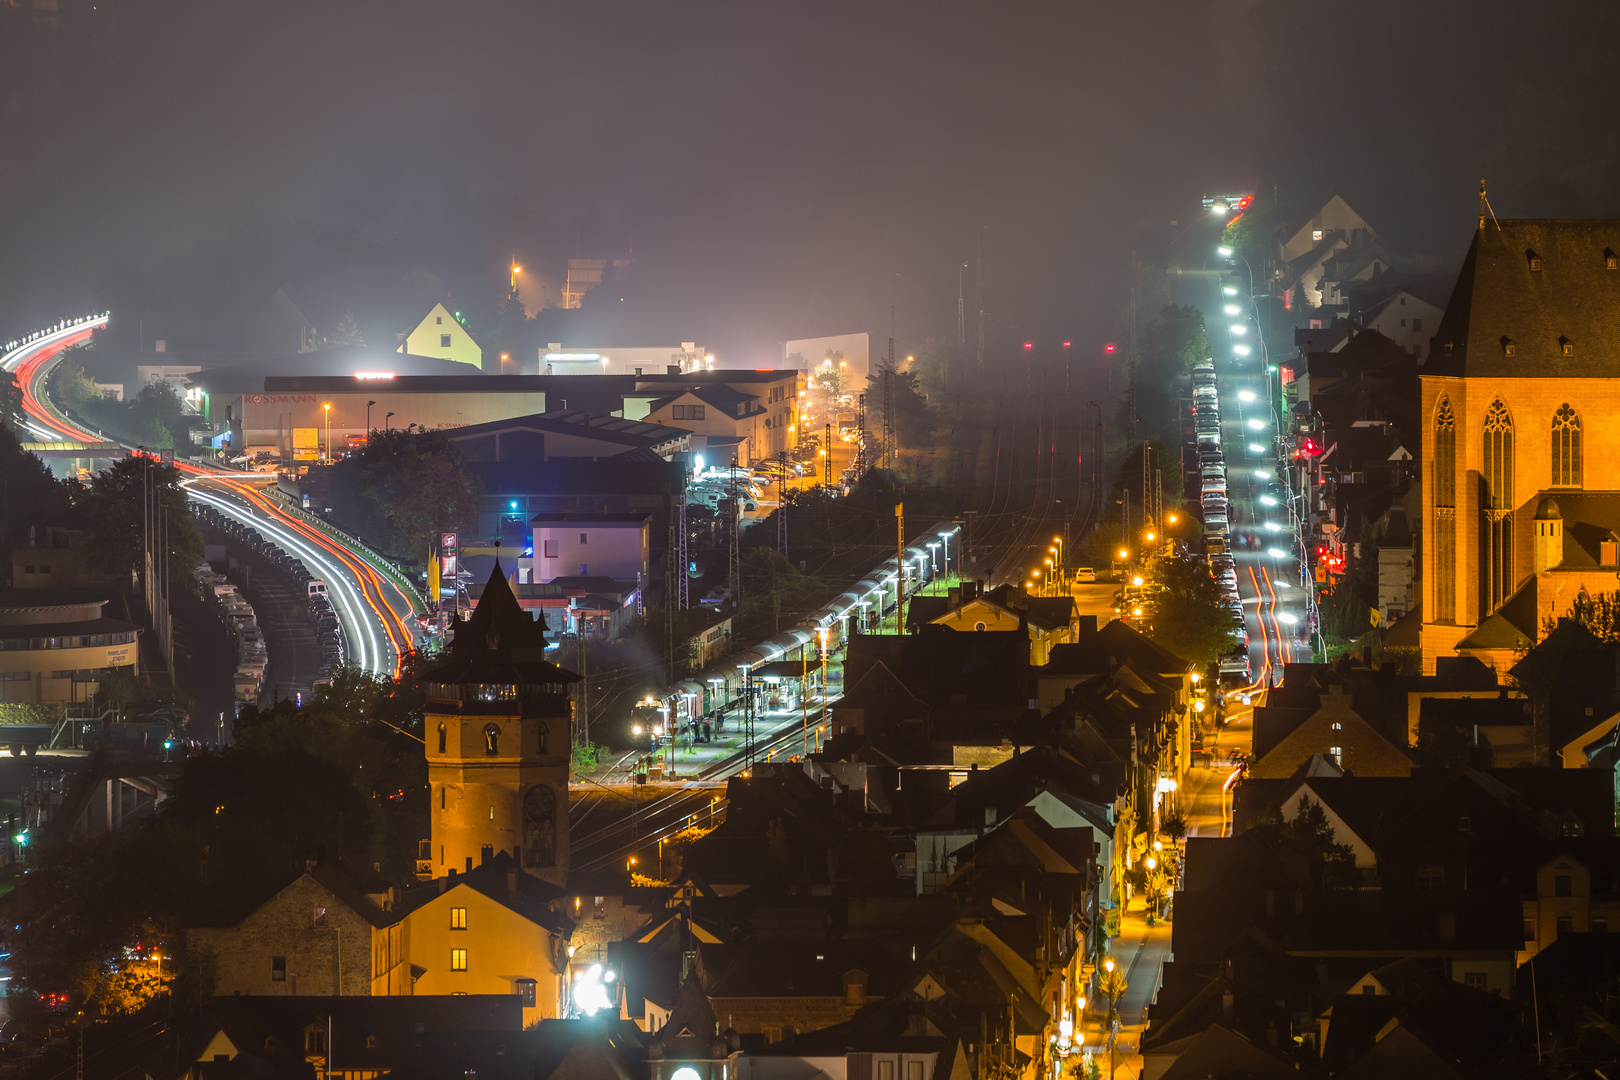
<point x="1108" y="348"/>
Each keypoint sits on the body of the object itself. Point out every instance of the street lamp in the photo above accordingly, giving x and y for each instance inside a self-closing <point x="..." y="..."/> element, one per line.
<point x="327" y="405"/>
<point x="387" y="418"/>
<point x="945" y="541"/>
<point x="933" y="546"/>
<point x="369" y="404"/>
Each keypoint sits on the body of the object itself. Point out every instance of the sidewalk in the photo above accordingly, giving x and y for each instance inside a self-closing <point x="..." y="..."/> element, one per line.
<point x="1142" y="951"/>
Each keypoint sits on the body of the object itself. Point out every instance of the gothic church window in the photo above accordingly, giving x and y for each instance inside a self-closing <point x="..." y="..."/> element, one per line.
<point x="1497" y="569"/>
<point x="1566" y="447"/>
<point x="1445" y="512"/>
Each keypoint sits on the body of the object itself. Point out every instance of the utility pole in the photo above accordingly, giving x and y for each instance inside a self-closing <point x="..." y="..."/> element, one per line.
<point x="961" y="311"/>
<point x="733" y="527"/>
<point x="891" y="438"/>
<point x="784" y="498"/>
<point x="899" y="562"/>
<point x="826" y="467"/>
<point x="682" y="580"/>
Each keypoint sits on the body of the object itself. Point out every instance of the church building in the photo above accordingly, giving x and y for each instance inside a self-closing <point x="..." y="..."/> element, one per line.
<point x="1521" y="448"/>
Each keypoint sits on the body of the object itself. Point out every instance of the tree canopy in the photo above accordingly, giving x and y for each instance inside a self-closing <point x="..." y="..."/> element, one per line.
<point x="330" y="780"/>
<point x="1189" y="620"/>
<point x="115" y="505"/>
<point x="402" y="487"/>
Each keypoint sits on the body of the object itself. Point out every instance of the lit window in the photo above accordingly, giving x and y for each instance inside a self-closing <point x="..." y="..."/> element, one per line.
<point x="318" y="917"/>
<point x="1316" y="235"/>
<point x="458" y="959"/>
<point x="278" y="969"/>
<point x="458" y="918"/>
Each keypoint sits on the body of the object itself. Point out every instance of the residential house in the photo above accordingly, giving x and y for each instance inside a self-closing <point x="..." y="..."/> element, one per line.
<point x="1406" y="319"/>
<point x="492" y="930"/>
<point x="1047" y="620"/>
<point x="313" y="936"/>
<point x="1313" y="713"/>
<point x="441" y="335"/>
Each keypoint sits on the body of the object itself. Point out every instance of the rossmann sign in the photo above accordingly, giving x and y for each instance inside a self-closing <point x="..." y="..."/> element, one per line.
<point x="279" y="399"/>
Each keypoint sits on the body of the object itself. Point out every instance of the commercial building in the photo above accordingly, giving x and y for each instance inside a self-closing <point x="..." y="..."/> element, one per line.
<point x="684" y="358"/>
<point x="337" y="406"/>
<point x="219" y="391"/>
<point x="55" y="653"/>
<point x="746" y="415"/>
<point x="616" y="546"/>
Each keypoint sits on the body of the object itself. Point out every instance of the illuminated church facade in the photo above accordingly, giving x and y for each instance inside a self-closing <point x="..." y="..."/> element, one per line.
<point x="1521" y="443"/>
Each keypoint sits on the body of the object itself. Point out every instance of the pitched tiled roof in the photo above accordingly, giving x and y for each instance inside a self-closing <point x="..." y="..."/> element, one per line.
<point x="1500" y="299"/>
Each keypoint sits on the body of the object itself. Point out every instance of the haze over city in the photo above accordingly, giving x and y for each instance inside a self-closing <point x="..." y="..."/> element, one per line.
<point x="825" y="541"/>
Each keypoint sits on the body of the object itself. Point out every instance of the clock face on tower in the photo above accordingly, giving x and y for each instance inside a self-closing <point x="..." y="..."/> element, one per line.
<point x="539" y="826"/>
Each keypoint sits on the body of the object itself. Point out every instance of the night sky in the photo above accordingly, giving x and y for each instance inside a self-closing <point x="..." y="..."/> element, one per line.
<point x="778" y="169"/>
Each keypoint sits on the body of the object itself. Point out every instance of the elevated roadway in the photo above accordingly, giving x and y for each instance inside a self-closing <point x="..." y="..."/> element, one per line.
<point x="376" y="609"/>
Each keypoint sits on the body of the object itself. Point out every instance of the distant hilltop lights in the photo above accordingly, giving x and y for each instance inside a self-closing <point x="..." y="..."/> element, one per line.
<point x="374" y="374"/>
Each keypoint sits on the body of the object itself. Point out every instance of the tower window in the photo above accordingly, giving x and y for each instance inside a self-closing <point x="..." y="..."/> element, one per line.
<point x="443" y="736"/>
<point x="492" y="738"/>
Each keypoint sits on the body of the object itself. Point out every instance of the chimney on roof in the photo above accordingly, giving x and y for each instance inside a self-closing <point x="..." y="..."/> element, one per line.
<point x="1226" y="1005"/>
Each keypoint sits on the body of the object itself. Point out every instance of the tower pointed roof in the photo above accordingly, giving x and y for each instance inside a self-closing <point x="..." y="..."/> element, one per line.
<point x="500" y="643"/>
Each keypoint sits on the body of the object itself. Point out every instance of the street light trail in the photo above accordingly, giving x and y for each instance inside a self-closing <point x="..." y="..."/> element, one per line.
<point x="356" y="585"/>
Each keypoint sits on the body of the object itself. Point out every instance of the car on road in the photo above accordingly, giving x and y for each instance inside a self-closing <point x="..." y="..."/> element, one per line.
<point x="1085" y="573"/>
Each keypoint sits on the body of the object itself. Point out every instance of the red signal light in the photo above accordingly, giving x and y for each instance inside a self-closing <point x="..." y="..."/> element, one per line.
<point x="1244" y="202"/>
<point x="1029" y="344"/>
<point x="1108" y="348"/>
<point x="1066" y="344"/>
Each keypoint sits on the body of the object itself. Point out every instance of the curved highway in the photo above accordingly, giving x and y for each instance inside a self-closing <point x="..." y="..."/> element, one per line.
<point x="377" y="615"/>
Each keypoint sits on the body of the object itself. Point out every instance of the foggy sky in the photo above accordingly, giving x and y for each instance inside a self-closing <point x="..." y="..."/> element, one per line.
<point x="777" y="165"/>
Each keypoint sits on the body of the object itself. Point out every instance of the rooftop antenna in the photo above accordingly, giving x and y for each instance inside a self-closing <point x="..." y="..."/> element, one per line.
<point x="1485" y="208"/>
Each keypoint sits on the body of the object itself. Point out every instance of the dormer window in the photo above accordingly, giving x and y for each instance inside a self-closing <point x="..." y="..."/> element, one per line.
<point x="1533" y="259"/>
<point x="1611" y="261"/>
<point x="1507" y="346"/>
<point x="1448" y="348"/>
<point x="1566" y="345"/>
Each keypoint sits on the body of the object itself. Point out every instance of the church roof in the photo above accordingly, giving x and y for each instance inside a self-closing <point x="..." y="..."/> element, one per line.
<point x="1511" y="626"/>
<point x="1535" y="286"/>
<point x="500" y="643"/>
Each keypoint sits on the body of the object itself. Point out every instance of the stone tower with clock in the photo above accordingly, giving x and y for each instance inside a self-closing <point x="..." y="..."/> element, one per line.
<point x="497" y="742"/>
